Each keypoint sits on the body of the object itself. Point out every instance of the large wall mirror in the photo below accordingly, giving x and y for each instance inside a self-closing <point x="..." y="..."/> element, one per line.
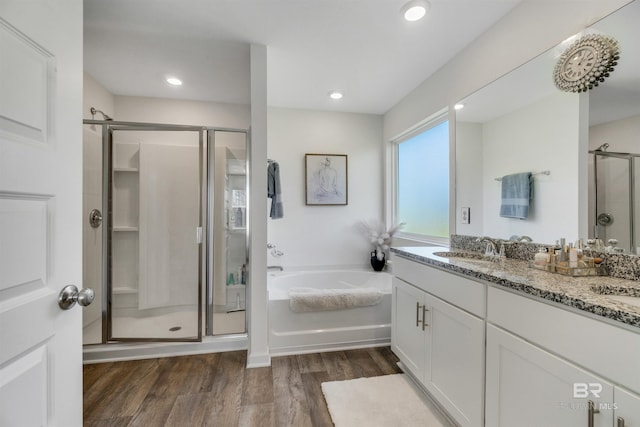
<point x="523" y="123"/>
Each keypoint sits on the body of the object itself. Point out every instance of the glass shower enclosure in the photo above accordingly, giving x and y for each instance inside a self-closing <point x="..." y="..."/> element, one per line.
<point x="616" y="191"/>
<point x="150" y="191"/>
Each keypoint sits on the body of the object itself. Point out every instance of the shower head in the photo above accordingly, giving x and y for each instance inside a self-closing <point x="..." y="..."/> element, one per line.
<point x="603" y="147"/>
<point x="93" y="112"/>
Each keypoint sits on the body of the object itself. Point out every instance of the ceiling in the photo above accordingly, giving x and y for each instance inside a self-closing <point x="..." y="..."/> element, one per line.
<point x="361" y="47"/>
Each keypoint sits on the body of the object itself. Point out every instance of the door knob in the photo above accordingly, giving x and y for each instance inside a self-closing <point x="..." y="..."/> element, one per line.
<point x="70" y="294"/>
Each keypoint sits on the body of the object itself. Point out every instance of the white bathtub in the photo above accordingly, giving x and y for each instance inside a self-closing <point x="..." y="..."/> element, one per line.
<point x="292" y="333"/>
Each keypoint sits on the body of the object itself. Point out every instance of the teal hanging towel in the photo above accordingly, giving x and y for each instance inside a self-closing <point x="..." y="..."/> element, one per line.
<point x="517" y="192"/>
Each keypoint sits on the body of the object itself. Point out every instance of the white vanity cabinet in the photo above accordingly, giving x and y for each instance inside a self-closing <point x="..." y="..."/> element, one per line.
<point x="528" y="387"/>
<point x="501" y="358"/>
<point x="545" y="364"/>
<point x="440" y="344"/>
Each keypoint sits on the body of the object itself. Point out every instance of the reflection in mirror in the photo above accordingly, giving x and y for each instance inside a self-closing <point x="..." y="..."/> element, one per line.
<point x="614" y="138"/>
<point x="522" y="123"/>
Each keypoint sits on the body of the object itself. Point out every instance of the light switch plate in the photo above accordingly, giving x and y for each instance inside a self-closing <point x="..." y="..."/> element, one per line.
<point x="465" y="215"/>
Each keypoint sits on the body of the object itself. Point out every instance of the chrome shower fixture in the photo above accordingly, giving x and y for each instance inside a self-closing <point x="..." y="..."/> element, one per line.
<point x="603" y="147"/>
<point x="93" y="112"/>
<point x="274" y="252"/>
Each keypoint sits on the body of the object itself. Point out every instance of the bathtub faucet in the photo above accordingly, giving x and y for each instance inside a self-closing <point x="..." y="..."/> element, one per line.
<point x="275" y="267"/>
<point x="274" y="252"/>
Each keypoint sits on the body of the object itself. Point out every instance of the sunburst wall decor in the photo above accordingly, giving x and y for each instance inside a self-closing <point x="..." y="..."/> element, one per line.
<point x="586" y="63"/>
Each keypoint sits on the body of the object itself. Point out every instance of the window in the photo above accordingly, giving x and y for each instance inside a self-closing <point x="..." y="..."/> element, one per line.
<point x="422" y="181"/>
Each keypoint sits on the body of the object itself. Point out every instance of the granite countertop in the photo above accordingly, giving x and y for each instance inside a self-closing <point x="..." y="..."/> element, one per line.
<point x="592" y="294"/>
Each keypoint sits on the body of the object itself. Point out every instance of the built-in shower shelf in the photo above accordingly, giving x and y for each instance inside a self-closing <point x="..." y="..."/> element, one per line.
<point x="237" y="229"/>
<point x="123" y="290"/>
<point x="125" y="228"/>
<point x="126" y="170"/>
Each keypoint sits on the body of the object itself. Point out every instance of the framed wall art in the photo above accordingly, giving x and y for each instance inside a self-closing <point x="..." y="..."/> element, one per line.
<point x="326" y="179"/>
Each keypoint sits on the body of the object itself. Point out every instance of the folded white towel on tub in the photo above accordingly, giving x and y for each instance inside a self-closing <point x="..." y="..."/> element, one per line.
<point x="309" y="299"/>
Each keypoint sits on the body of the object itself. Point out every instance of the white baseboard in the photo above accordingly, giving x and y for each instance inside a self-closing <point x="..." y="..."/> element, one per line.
<point x="258" y="360"/>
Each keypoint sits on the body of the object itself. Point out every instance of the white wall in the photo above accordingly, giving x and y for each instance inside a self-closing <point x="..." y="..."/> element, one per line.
<point x="257" y="299"/>
<point x="515" y="143"/>
<point x="469" y="166"/>
<point x="325" y="235"/>
<point x="96" y="96"/>
<point x="174" y="111"/>
<point x="623" y="135"/>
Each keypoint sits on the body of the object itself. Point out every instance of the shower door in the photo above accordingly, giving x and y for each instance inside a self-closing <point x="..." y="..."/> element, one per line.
<point x="228" y="212"/>
<point x="154" y="190"/>
<point x="614" y="210"/>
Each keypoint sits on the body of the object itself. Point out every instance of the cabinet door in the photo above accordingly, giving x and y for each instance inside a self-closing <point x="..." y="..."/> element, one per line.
<point x="527" y="386"/>
<point x="627" y="408"/>
<point x="408" y="338"/>
<point x="455" y="361"/>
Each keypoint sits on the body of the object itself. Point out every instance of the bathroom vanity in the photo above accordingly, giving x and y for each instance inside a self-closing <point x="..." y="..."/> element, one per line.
<point x="496" y="343"/>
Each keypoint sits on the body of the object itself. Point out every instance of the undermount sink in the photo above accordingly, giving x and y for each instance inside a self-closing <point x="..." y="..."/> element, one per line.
<point x="627" y="299"/>
<point x="629" y="296"/>
<point x="466" y="256"/>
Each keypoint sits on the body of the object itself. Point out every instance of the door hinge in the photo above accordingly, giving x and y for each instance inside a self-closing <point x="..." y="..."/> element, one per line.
<point x="199" y="235"/>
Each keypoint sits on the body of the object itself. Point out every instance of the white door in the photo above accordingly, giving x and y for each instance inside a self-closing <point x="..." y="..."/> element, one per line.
<point x="40" y="211"/>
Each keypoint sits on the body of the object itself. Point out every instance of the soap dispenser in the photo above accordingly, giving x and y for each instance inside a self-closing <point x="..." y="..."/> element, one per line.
<point x="541" y="258"/>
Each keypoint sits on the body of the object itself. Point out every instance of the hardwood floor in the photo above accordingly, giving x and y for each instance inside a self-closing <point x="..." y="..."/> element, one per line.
<point x="217" y="390"/>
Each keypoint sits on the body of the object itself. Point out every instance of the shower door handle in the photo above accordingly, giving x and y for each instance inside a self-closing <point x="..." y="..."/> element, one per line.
<point x="95" y="218"/>
<point x="70" y="295"/>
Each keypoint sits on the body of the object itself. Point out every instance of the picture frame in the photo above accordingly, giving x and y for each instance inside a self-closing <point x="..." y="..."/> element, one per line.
<point x="326" y="179"/>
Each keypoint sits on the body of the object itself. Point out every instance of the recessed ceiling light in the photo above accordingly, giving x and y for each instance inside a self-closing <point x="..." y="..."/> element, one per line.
<point x="459" y="106"/>
<point x="174" y="81"/>
<point x="335" y="94"/>
<point x="415" y="10"/>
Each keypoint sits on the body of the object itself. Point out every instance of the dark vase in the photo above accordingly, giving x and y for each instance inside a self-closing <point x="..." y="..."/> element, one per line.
<point x="377" y="264"/>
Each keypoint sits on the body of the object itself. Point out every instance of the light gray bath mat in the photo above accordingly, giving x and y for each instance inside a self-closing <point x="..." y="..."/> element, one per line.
<point x="389" y="400"/>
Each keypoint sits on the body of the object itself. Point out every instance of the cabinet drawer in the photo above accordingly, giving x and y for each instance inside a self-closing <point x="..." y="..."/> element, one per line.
<point x="458" y="291"/>
<point x="610" y="351"/>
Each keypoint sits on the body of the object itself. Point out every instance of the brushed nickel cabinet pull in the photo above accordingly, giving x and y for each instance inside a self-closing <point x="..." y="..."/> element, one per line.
<point x="592" y="412"/>
<point x="424" y="317"/>
<point x="417" y="314"/>
<point x="619" y="422"/>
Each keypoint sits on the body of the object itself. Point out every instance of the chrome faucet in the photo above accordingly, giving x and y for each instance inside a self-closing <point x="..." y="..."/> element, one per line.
<point x="516" y="238"/>
<point x="492" y="245"/>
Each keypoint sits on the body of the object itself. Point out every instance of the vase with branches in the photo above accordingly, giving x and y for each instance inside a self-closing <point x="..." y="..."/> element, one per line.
<point x="379" y="236"/>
